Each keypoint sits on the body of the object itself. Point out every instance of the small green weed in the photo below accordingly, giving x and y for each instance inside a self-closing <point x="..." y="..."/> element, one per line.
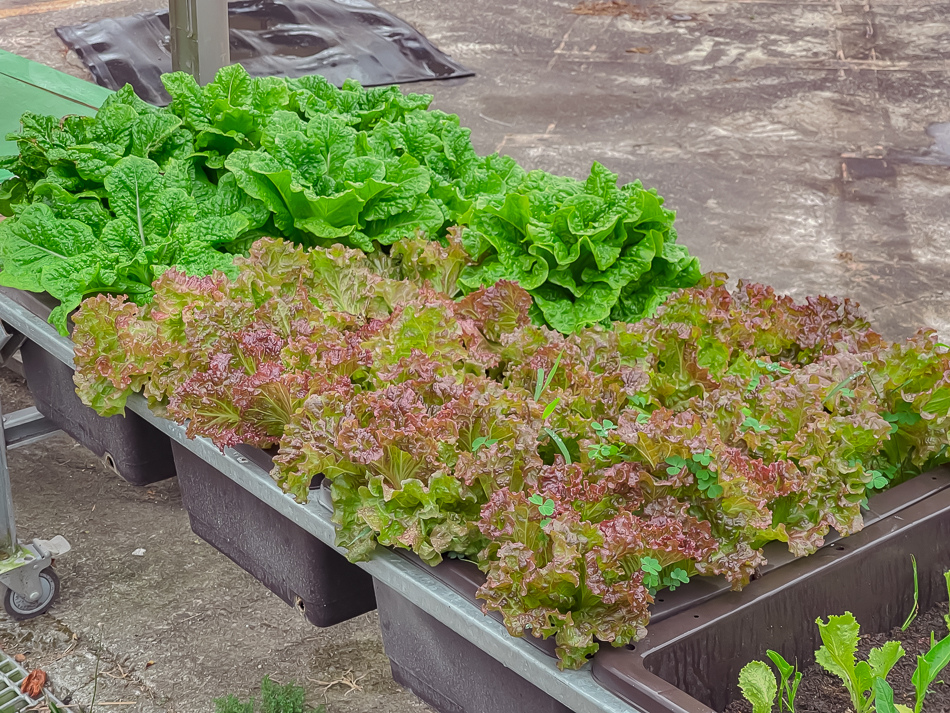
<point x="275" y="698"/>
<point x="540" y="387"/>
<point x="913" y="611"/>
<point x="656" y="576"/>
<point x="545" y="507"/>
<point x="706" y="479"/>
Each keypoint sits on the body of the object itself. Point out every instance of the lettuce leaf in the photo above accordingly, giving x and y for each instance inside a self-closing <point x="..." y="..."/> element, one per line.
<point x="584" y="473"/>
<point x="364" y="168"/>
<point x="588" y="252"/>
<point x="152" y="224"/>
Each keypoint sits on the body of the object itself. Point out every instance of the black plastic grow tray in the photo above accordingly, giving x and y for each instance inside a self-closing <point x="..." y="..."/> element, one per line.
<point x="442" y="667"/>
<point x="702" y="634"/>
<point x="128" y="444"/>
<point x="285" y="558"/>
<point x="447" y="671"/>
<point x="689" y="662"/>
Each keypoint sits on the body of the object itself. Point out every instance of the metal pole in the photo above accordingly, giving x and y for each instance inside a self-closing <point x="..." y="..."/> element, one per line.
<point x="8" y="541"/>
<point x="200" y="43"/>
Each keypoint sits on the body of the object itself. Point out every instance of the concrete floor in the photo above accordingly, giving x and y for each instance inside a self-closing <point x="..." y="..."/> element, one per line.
<point x="791" y="137"/>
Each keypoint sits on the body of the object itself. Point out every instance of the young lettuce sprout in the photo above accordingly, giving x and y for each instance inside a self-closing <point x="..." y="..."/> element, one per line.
<point x="759" y="687"/>
<point x="929" y="666"/>
<point x="839" y="636"/>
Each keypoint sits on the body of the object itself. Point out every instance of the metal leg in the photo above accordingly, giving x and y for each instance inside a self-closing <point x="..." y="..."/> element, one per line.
<point x="25" y="570"/>
<point x="26" y="426"/>
<point x="8" y="539"/>
<point x="21" y="566"/>
<point x="200" y="42"/>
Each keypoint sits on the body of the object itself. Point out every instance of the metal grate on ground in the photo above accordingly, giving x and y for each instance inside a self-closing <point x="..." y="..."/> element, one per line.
<point x="11" y="698"/>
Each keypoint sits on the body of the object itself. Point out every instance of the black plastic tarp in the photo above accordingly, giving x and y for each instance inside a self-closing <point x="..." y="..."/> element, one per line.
<point x="340" y="39"/>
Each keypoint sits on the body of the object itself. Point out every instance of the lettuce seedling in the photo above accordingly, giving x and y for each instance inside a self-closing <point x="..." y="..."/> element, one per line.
<point x="788" y="685"/>
<point x="758" y="686"/>
<point x="929" y="666"/>
<point x="839" y="636"/>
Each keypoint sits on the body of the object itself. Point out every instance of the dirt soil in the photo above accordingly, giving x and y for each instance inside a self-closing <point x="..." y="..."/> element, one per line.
<point x="821" y="692"/>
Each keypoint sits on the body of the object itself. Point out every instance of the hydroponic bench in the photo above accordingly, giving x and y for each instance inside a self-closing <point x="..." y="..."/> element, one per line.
<point x="29" y="86"/>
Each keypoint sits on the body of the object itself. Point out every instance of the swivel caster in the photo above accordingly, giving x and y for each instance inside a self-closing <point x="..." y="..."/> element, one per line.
<point x="22" y="609"/>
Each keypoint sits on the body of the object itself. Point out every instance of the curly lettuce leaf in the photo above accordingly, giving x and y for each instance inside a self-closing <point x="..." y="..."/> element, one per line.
<point x="584" y="473"/>
<point x="589" y="252"/>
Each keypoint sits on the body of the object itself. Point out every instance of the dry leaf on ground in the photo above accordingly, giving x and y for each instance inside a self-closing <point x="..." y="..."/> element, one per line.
<point x="33" y="684"/>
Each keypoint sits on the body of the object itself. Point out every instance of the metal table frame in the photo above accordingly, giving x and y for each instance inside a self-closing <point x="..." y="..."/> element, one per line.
<point x="22" y="564"/>
<point x="575" y="689"/>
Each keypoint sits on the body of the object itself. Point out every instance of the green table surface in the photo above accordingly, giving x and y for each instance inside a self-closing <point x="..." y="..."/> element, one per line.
<point x="30" y="86"/>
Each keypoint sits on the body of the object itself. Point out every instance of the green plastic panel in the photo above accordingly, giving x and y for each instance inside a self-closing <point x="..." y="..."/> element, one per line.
<point x="29" y="86"/>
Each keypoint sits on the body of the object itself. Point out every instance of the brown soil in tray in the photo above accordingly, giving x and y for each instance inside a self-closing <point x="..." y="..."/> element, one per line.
<point x="820" y="692"/>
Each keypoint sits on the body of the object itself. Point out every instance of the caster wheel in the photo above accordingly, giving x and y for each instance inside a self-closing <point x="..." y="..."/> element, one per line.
<point x="21" y="608"/>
